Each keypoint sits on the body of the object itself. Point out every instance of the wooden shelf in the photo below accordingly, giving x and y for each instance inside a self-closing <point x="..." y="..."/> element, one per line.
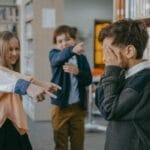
<point x="8" y="5"/>
<point x="36" y="42"/>
<point x="135" y="9"/>
<point x="27" y="1"/>
<point x="29" y="38"/>
<point x="8" y="17"/>
<point x="146" y="20"/>
<point x="7" y="22"/>
<point x="29" y="18"/>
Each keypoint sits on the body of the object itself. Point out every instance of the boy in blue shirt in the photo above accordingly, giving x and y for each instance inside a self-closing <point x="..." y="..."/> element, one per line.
<point x="71" y="71"/>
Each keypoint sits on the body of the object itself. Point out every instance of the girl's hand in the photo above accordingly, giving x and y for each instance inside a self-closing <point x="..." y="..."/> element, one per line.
<point x="47" y="88"/>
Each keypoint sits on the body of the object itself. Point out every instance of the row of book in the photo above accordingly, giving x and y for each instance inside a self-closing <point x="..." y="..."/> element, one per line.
<point x="8" y="14"/>
<point x="8" y="18"/>
<point x="135" y="9"/>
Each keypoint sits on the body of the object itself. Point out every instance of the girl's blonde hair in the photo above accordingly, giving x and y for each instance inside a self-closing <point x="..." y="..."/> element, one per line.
<point x="5" y="37"/>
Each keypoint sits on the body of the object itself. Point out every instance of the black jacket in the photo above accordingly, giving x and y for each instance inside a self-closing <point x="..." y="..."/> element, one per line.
<point x="57" y="59"/>
<point x="125" y="103"/>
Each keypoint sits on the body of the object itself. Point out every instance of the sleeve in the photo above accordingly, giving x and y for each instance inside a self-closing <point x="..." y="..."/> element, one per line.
<point x="115" y="102"/>
<point x="11" y="83"/>
<point x="21" y="87"/>
<point x="7" y="82"/>
<point x="58" y="57"/>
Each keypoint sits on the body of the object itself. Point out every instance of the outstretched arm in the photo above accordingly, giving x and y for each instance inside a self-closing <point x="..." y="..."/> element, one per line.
<point x="12" y="81"/>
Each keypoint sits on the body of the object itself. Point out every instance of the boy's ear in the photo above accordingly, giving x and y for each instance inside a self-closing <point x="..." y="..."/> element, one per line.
<point x="130" y="52"/>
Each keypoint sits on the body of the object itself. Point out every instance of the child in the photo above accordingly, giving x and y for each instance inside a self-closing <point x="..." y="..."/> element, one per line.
<point x="123" y="95"/>
<point x="71" y="71"/>
<point x="13" y="127"/>
<point x="13" y="122"/>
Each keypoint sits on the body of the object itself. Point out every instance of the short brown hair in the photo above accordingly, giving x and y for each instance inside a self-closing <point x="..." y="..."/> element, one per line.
<point x="65" y="29"/>
<point x="73" y="33"/>
<point x="126" y="32"/>
<point x="62" y="29"/>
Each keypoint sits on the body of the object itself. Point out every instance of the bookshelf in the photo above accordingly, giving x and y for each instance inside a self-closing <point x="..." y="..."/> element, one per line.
<point x="36" y="41"/>
<point x="28" y="38"/>
<point x="134" y="9"/>
<point x="119" y="9"/>
<point x="137" y="9"/>
<point x="8" y="17"/>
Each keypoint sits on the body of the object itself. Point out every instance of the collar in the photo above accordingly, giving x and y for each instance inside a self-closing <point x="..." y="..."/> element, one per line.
<point x="137" y="68"/>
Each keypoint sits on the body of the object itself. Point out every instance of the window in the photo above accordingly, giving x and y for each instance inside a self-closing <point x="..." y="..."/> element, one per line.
<point x="98" y="53"/>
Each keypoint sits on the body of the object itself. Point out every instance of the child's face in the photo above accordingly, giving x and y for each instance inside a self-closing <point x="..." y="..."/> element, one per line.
<point x="71" y="42"/>
<point x="62" y="41"/>
<point x="13" y="53"/>
<point x="112" y="53"/>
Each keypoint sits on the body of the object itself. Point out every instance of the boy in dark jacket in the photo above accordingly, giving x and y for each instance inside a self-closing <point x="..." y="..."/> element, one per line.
<point x="71" y="71"/>
<point x="123" y="94"/>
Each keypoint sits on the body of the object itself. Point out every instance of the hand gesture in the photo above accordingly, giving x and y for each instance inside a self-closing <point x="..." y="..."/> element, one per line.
<point x="39" y="89"/>
<point x="71" y="68"/>
<point x="50" y="87"/>
<point x="112" y="57"/>
<point x="36" y="92"/>
<point x="78" y="49"/>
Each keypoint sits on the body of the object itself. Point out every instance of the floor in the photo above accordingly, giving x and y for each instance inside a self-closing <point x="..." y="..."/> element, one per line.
<point x="42" y="138"/>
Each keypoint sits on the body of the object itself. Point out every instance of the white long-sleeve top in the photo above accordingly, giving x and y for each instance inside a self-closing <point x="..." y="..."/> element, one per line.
<point x="11" y="81"/>
<point x="7" y="81"/>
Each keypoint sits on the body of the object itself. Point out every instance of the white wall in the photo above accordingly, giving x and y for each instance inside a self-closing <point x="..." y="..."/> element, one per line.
<point x="82" y="13"/>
